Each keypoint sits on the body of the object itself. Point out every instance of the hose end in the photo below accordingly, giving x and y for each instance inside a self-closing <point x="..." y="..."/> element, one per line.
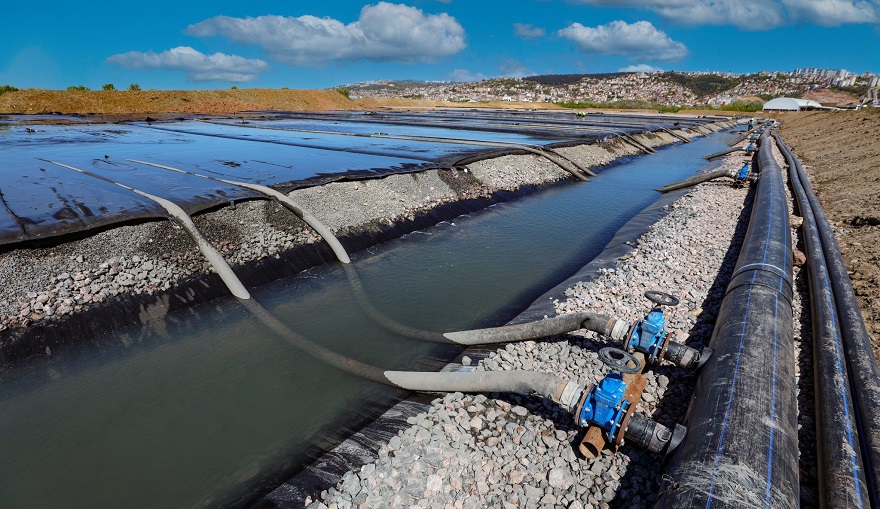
<point x="569" y="397"/>
<point x="620" y="331"/>
<point x="654" y="436"/>
<point x="704" y="356"/>
<point x="684" y="356"/>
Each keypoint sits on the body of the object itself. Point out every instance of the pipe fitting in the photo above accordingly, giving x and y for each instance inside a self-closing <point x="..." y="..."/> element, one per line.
<point x="684" y="356"/>
<point x="570" y="396"/>
<point x="619" y="331"/>
<point x="654" y="436"/>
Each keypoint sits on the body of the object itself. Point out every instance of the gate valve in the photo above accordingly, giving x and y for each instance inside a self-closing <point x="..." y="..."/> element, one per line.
<point x="743" y="172"/>
<point x="649" y="336"/>
<point x="606" y="406"/>
<point x="751" y="147"/>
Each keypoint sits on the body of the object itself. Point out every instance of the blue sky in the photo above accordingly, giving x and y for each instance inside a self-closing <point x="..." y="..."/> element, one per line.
<point x="321" y="44"/>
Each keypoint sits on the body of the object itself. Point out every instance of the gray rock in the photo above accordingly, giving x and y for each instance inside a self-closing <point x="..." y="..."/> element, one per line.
<point x="560" y="478"/>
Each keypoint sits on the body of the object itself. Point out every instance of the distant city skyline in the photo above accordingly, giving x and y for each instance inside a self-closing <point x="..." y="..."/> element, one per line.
<point x="274" y="44"/>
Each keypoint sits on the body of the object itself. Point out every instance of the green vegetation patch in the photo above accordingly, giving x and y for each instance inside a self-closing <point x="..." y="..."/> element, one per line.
<point x="703" y="84"/>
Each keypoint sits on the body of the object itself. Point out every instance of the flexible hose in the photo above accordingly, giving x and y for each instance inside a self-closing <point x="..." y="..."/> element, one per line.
<point x="724" y="152"/>
<point x="676" y="135"/>
<point x="178" y="215"/>
<point x="278" y="197"/>
<point x="561" y="391"/>
<point x="556" y="325"/>
<point x="639" y="145"/>
<point x="696" y="179"/>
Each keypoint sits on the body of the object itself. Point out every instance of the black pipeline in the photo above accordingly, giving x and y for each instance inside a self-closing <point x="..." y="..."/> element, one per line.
<point x="741" y="449"/>
<point x="842" y="353"/>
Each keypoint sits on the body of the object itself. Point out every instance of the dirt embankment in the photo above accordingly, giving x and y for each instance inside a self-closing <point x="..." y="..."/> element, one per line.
<point x="123" y="104"/>
<point x="840" y="151"/>
<point x="162" y="102"/>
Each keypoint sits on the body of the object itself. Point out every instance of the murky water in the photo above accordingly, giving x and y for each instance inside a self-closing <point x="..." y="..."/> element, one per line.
<point x="204" y="411"/>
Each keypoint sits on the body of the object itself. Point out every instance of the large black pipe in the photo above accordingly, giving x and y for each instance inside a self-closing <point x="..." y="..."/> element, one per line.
<point x="741" y="449"/>
<point x="864" y="380"/>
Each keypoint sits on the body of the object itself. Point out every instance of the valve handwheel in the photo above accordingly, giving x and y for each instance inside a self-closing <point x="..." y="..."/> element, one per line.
<point x="619" y="360"/>
<point x="662" y="298"/>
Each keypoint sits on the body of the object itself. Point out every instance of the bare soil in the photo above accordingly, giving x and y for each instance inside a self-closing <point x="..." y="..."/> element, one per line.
<point x="117" y="105"/>
<point x="841" y="152"/>
<point x="162" y="103"/>
<point x="831" y="97"/>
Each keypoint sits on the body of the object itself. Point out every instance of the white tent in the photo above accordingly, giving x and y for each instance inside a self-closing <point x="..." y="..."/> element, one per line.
<point x="791" y="104"/>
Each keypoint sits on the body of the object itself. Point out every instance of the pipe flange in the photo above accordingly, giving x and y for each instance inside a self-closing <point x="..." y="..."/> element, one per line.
<point x="624" y="424"/>
<point x="629" y="335"/>
<point x="580" y="404"/>
<point x="662" y="354"/>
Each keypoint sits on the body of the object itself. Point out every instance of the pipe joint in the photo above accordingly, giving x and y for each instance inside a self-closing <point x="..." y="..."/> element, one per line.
<point x="652" y="435"/>
<point x="569" y="396"/>
<point x="684" y="356"/>
<point x="619" y="331"/>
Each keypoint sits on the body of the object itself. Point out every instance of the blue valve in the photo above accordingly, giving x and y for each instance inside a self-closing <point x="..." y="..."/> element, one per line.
<point x="605" y="405"/>
<point x="743" y="172"/>
<point x="649" y="334"/>
<point x="751" y="147"/>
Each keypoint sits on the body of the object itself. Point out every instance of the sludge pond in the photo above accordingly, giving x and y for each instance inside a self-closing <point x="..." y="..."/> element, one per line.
<point x="213" y="409"/>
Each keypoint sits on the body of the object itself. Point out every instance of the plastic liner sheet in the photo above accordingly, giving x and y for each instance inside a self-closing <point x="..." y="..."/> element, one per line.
<point x="534" y="123"/>
<point x="41" y="199"/>
<point x="539" y="129"/>
<point x="349" y="127"/>
<point x="415" y="150"/>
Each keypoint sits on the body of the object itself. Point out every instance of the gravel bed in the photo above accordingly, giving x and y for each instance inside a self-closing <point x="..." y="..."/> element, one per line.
<point x="504" y="450"/>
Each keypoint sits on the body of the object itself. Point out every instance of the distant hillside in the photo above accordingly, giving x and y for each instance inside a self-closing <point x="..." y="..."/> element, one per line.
<point x="565" y="79"/>
<point x="704" y="84"/>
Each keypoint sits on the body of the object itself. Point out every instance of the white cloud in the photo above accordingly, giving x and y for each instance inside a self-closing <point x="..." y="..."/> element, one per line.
<point x="833" y="12"/>
<point x="385" y="32"/>
<point x="639" y="41"/>
<point x="755" y="14"/>
<point x="526" y="31"/>
<point x="747" y="14"/>
<point x="197" y="66"/>
<point x="639" y="68"/>
<point x="462" y="75"/>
